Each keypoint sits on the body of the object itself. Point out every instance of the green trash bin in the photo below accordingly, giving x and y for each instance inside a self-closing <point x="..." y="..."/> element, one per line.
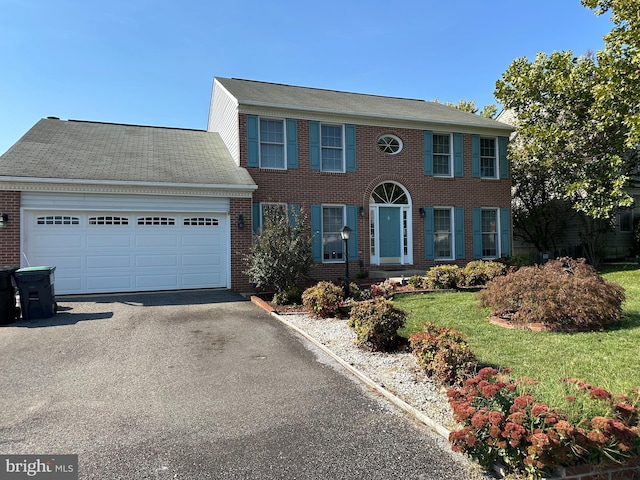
<point x="8" y="310"/>
<point x="37" y="295"/>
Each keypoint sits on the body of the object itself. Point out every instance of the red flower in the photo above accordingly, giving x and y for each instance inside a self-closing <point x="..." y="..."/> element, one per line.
<point x="600" y="394"/>
<point x="517" y="417"/>
<point x="539" y="409"/>
<point x="494" y="431"/>
<point x="479" y="420"/>
<point x="496" y="418"/>
<point x="489" y="391"/>
<point x="571" y="398"/>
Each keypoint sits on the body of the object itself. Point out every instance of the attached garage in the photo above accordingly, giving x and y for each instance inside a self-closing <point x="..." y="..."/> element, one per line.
<point x="102" y="243"/>
<point x="125" y="208"/>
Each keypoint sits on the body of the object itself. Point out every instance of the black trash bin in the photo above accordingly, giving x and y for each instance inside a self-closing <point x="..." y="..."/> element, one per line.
<point x="8" y="310"/>
<point x="37" y="295"/>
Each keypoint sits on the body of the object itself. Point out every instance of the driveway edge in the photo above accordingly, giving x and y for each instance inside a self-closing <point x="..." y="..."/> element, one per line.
<point x="417" y="414"/>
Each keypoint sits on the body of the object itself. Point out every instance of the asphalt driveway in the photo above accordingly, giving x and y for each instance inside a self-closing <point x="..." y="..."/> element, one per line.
<point x="198" y="385"/>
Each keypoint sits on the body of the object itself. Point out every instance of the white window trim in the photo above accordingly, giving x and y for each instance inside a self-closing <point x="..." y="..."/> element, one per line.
<point x="498" y="235"/>
<point x="452" y="233"/>
<point x="284" y="144"/>
<point x="344" y="222"/>
<point x="344" y="148"/>
<point x="497" y="158"/>
<point x="395" y="137"/>
<point x="451" y="166"/>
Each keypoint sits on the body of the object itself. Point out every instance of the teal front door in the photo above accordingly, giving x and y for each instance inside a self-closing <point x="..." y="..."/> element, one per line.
<point x="390" y="239"/>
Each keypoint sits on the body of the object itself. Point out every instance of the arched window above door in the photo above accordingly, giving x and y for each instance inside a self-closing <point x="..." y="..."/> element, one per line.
<point x="389" y="193"/>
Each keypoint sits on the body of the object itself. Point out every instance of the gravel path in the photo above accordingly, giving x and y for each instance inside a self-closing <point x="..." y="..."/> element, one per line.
<point x="397" y="372"/>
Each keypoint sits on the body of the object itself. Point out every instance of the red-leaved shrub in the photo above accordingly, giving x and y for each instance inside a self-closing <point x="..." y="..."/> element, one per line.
<point x="564" y="294"/>
<point x="501" y="421"/>
<point x="443" y="354"/>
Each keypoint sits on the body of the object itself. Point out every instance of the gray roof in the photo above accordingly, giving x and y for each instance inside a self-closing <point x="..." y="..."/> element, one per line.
<point x="250" y="92"/>
<point x="82" y="150"/>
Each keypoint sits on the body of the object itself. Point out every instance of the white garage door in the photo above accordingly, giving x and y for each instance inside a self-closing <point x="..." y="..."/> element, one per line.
<point x="103" y="251"/>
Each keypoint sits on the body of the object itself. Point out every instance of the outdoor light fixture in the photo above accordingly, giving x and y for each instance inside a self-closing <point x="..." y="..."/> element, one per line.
<point x="422" y="212"/>
<point x="362" y="211"/>
<point x="345" y="233"/>
<point x="241" y="221"/>
<point x="4" y="218"/>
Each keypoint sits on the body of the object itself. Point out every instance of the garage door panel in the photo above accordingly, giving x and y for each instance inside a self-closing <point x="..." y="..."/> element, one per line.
<point x="157" y="260"/>
<point x="196" y="279"/>
<point x="156" y="240"/>
<point x="108" y="261"/>
<point x="52" y="241"/>
<point x="109" y="283"/>
<point x="156" y="282"/>
<point x="109" y="241"/>
<point x="212" y="260"/>
<point x="98" y="254"/>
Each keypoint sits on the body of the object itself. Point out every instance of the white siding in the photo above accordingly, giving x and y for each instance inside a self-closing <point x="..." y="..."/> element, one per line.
<point x="223" y="118"/>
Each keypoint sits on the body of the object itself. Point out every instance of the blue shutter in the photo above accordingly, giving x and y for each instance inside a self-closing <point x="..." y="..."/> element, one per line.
<point x="427" y="152"/>
<point x="429" y="235"/>
<point x="458" y="155"/>
<point x="350" y="147"/>
<point x="475" y="155"/>
<point x="314" y="145"/>
<point x="477" y="233"/>
<point x="293" y="209"/>
<point x="505" y="232"/>
<point x="316" y="222"/>
<point x="292" y="143"/>
<point x="253" y="142"/>
<point x="458" y="221"/>
<point x="502" y="157"/>
<point x="255" y="218"/>
<point x="352" y="223"/>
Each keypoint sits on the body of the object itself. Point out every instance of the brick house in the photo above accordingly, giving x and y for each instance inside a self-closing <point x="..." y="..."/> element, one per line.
<point x="129" y="208"/>
<point x="419" y="183"/>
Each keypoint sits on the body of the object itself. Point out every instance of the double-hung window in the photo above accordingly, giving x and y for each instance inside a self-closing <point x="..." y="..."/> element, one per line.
<point x="488" y="158"/>
<point x="443" y="233"/>
<point x="442" y="158"/>
<point x="490" y="232"/>
<point x="333" y="219"/>
<point x="272" y="143"/>
<point x="273" y="211"/>
<point x="332" y="148"/>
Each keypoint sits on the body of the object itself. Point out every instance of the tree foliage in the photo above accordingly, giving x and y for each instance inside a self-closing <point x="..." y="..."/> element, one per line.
<point x="281" y="253"/>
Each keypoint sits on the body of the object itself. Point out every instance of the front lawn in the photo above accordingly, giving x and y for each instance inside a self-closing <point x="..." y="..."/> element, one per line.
<point x="609" y="359"/>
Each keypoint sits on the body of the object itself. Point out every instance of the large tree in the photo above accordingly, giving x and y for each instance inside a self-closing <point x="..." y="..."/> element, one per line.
<point x="567" y="148"/>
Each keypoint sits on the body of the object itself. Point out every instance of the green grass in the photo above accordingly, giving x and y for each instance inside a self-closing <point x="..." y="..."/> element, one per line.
<point x="609" y="359"/>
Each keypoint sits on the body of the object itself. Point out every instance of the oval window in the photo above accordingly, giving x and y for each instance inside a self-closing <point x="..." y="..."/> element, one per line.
<point x="389" y="144"/>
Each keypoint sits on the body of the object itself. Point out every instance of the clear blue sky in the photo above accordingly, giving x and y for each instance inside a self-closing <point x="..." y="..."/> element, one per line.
<point x="152" y="62"/>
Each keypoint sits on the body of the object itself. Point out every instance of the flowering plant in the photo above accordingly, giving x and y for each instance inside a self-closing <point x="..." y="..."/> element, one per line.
<point x="502" y="421"/>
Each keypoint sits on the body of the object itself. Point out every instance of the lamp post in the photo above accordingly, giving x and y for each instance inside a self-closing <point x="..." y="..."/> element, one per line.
<point x="345" y="233"/>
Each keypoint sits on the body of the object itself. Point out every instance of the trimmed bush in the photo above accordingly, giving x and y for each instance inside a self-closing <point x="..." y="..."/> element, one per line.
<point x="290" y="296"/>
<point x="443" y="354"/>
<point x="443" y="277"/>
<point x="563" y="294"/>
<point x="416" y="281"/>
<point x="323" y="299"/>
<point x="480" y="272"/>
<point x="376" y="323"/>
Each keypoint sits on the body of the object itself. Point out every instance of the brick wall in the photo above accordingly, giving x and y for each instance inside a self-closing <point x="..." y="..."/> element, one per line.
<point x="306" y="187"/>
<point x="10" y="234"/>
<point x="240" y="242"/>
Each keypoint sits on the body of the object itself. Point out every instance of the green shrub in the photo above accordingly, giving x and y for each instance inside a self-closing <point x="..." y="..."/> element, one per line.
<point x="416" y="281"/>
<point x="480" y="272"/>
<point x="323" y="299"/>
<point x="290" y="296"/>
<point x="281" y="253"/>
<point x="443" y="277"/>
<point x="518" y="260"/>
<point x="376" y="323"/>
<point x="443" y="354"/>
<point x="564" y="294"/>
